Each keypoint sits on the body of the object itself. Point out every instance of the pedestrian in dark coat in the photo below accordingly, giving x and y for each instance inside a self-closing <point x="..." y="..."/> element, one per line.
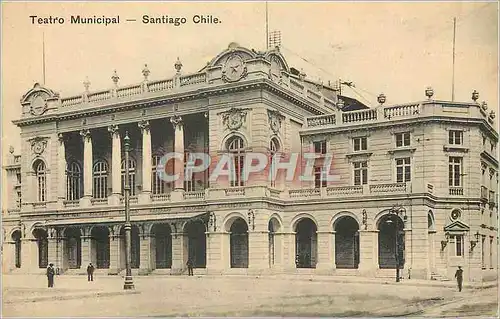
<point x="90" y="272"/>
<point x="50" y="275"/>
<point x="460" y="278"/>
<point x="190" y="266"/>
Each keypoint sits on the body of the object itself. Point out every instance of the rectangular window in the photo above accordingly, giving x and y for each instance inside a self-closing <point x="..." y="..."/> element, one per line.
<point x="18" y="178"/>
<point x="455" y="137"/>
<point x="455" y="172"/>
<point x="402" y="139"/>
<point x="18" y="202"/>
<point x="459" y="245"/>
<point x="360" y="144"/>
<point x="319" y="177"/>
<point x="360" y="173"/>
<point x="320" y="147"/>
<point x="403" y="170"/>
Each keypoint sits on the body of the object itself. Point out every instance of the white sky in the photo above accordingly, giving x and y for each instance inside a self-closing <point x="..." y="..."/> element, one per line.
<point x="395" y="48"/>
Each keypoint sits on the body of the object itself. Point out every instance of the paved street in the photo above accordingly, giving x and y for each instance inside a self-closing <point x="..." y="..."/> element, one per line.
<point x="239" y="296"/>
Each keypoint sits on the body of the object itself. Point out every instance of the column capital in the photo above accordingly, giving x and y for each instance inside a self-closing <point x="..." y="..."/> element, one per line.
<point x="177" y="121"/>
<point x="85" y="133"/>
<point x="144" y="126"/>
<point x="114" y="130"/>
<point x="61" y="138"/>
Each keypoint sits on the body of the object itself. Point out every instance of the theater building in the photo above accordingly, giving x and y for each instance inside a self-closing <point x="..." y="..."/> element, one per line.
<point x="417" y="182"/>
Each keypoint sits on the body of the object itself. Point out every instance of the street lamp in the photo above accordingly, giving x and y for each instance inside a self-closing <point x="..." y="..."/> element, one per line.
<point x="129" y="283"/>
<point x="397" y="211"/>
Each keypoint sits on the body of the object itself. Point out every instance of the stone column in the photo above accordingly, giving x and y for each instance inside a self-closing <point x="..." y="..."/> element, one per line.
<point x="179" y="165"/>
<point x="87" y="168"/>
<point x="289" y="251"/>
<point x="61" y="168"/>
<point x="116" y="166"/>
<point x="29" y="254"/>
<point x="326" y="252"/>
<point x="145" y="196"/>
<point x="8" y="256"/>
<point x="146" y="243"/>
<point x="214" y="252"/>
<point x="258" y="251"/>
<point x="86" y="246"/>
<point x="368" y="252"/>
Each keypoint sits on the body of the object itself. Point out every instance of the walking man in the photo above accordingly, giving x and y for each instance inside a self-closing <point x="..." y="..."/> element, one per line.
<point x="459" y="276"/>
<point x="190" y="266"/>
<point x="90" y="272"/>
<point x="50" y="275"/>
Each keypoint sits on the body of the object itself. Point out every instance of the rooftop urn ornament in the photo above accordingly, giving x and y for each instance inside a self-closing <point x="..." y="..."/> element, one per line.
<point x="115" y="78"/>
<point x="302" y="75"/>
<point x="484" y="106"/>
<point x="86" y="84"/>
<point x="475" y="96"/>
<point x="381" y="98"/>
<point x="11" y="149"/>
<point x="178" y="65"/>
<point x="340" y="104"/>
<point x="145" y="72"/>
<point x="429" y="92"/>
<point x="492" y="115"/>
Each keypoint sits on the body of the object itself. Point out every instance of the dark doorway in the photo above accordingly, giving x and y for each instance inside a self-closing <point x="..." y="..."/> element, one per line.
<point x="306" y="244"/>
<point x="239" y="244"/>
<point x="388" y="226"/>
<point x="163" y="246"/>
<point x="346" y="243"/>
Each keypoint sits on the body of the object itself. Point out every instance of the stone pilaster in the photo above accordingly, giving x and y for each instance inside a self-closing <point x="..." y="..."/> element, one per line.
<point x="61" y="171"/>
<point x="29" y="254"/>
<point x="87" y="168"/>
<point x="326" y="251"/>
<point x="289" y="251"/>
<point x="115" y="252"/>
<point x="146" y="248"/>
<point x="368" y="252"/>
<point x="258" y="251"/>
<point x="116" y="165"/>
<point x="215" y="257"/>
<point x="179" y="252"/>
<point x="86" y="246"/>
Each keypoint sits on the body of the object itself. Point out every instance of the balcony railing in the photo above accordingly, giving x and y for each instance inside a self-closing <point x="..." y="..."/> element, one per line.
<point x="344" y="190"/>
<point x="456" y="191"/>
<point x="133" y="199"/>
<point x="200" y="195"/>
<point x="160" y="197"/>
<point x="388" y="188"/>
<point x="98" y="201"/>
<point x="71" y="203"/>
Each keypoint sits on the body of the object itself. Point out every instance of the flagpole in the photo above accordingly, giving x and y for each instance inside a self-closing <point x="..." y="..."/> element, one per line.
<point x="453" y="72"/>
<point x="43" y="56"/>
<point x="267" y="29"/>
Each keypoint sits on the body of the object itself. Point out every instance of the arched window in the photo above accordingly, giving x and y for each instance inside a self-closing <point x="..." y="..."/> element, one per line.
<point x="74" y="181"/>
<point x="41" y="180"/>
<point x="158" y="185"/>
<point x="131" y="174"/>
<point x="100" y="179"/>
<point x="274" y="147"/>
<point x="236" y="147"/>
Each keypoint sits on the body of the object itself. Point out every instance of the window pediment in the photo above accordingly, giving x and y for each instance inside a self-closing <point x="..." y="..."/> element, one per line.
<point x="456" y="227"/>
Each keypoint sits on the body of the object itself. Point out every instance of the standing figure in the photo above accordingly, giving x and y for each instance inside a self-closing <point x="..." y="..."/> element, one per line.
<point x="50" y="275"/>
<point x="190" y="266"/>
<point x="459" y="276"/>
<point x="90" y="272"/>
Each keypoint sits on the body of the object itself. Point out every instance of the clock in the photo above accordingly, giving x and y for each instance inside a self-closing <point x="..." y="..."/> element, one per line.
<point x="38" y="104"/>
<point x="455" y="214"/>
<point x="234" y="69"/>
<point x="275" y="70"/>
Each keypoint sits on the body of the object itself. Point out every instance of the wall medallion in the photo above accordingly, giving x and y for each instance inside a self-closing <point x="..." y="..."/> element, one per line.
<point x="234" y="69"/>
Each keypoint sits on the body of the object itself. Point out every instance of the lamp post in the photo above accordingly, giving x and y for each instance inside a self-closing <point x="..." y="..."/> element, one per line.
<point x="129" y="283"/>
<point x="396" y="211"/>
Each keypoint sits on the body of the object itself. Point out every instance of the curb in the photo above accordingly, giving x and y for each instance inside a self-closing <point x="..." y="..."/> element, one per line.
<point x="69" y="297"/>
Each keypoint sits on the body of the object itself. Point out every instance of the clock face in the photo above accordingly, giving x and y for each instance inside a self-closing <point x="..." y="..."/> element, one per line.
<point x="38" y="104"/>
<point x="455" y="214"/>
<point x="234" y="69"/>
<point x="275" y="68"/>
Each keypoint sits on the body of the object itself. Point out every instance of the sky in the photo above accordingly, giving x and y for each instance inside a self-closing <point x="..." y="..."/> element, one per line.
<point x="395" y="48"/>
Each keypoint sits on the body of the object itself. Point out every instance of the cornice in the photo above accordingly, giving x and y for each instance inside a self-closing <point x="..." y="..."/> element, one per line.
<point x="144" y="102"/>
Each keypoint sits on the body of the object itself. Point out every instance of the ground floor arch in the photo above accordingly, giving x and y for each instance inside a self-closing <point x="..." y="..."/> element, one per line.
<point x="306" y="248"/>
<point x="16" y="238"/>
<point x="41" y="238"/>
<point x="100" y="246"/>
<point x="346" y="243"/>
<point x="162" y="238"/>
<point x="238" y="242"/>
<point x="390" y="250"/>
<point x="197" y="243"/>
<point x="73" y="248"/>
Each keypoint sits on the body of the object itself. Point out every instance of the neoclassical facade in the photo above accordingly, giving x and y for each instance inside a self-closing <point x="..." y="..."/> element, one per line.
<point x="416" y="183"/>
